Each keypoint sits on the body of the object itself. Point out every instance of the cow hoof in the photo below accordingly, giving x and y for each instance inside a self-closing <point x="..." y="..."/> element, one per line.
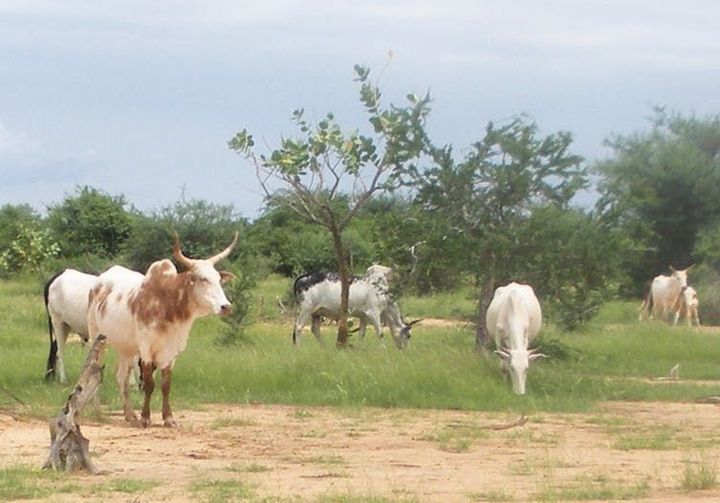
<point x="169" y="423"/>
<point x="145" y="422"/>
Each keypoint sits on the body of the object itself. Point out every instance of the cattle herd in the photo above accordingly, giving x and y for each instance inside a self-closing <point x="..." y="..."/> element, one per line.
<point x="147" y="318"/>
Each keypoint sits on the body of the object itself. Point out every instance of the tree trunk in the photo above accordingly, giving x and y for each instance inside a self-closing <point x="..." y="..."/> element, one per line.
<point x="482" y="338"/>
<point x="69" y="450"/>
<point x="345" y="280"/>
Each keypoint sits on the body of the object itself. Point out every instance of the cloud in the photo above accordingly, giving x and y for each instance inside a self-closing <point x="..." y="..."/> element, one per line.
<point x="16" y="143"/>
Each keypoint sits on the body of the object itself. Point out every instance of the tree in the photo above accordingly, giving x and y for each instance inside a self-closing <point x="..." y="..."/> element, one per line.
<point x="324" y="164"/>
<point x="485" y="199"/>
<point x="295" y="246"/>
<point x="204" y="227"/>
<point x="14" y="218"/>
<point x="90" y="222"/>
<point x="661" y="186"/>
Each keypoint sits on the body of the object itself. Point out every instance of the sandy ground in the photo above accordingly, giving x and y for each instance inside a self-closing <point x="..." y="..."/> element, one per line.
<point x="287" y="453"/>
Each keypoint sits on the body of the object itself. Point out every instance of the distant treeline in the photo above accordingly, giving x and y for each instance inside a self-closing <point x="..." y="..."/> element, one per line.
<point x="658" y="206"/>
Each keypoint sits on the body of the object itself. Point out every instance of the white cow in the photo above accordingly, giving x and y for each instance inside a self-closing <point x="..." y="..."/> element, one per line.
<point x="513" y="319"/>
<point x="318" y="295"/>
<point x="66" y="302"/>
<point x="150" y="317"/>
<point x="687" y="306"/>
<point x="663" y="294"/>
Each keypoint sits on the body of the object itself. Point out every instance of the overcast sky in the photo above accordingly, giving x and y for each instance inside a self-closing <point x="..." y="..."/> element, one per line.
<point x="140" y="97"/>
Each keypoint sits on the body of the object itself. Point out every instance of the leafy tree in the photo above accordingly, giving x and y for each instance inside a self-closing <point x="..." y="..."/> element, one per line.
<point x="240" y="295"/>
<point x="90" y="222"/>
<point x="573" y="260"/>
<point x="315" y="168"/>
<point x="662" y="186"/>
<point x="13" y="219"/>
<point x="296" y="246"/>
<point x="415" y="243"/>
<point x="32" y="246"/>
<point x="204" y="229"/>
<point x="486" y="198"/>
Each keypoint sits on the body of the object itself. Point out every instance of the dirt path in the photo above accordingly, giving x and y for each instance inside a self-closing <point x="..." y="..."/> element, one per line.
<point x="283" y="453"/>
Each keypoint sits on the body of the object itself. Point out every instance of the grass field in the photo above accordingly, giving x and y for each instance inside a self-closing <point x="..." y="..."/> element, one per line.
<point x="233" y="447"/>
<point x="611" y="360"/>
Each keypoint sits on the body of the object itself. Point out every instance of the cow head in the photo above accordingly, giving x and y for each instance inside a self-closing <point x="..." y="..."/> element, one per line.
<point x="517" y="362"/>
<point x="205" y="281"/>
<point x="680" y="276"/>
<point x="402" y="338"/>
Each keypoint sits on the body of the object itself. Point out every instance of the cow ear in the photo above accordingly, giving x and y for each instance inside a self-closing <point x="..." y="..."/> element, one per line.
<point x="226" y="276"/>
<point x="689" y="267"/>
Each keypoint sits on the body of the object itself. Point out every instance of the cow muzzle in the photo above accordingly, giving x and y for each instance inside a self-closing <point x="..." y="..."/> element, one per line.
<point x="225" y="309"/>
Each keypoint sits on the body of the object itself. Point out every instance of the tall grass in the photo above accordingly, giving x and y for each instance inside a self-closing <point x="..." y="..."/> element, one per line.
<point x="611" y="361"/>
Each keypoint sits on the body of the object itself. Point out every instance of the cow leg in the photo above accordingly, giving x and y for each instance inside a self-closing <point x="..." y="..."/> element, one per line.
<point x="374" y="319"/>
<point x="315" y="327"/>
<point x="166" y="383"/>
<point x="123" y="372"/>
<point x="61" y="338"/>
<point x="148" y="388"/>
<point x="363" y="327"/>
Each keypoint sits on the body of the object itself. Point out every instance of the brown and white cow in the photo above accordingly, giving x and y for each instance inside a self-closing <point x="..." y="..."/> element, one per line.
<point x="663" y="294"/>
<point x="150" y="316"/>
<point x="687" y="306"/>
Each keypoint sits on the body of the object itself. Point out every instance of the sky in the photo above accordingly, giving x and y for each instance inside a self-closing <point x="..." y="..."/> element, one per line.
<point x="139" y="97"/>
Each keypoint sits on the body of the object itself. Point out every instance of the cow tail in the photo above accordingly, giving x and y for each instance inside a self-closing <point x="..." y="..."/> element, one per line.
<point x="647" y="304"/>
<point x="52" y="357"/>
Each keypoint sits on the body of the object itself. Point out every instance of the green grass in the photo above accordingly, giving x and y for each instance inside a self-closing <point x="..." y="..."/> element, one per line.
<point x="221" y="491"/>
<point x="457" y="305"/>
<point x="612" y="360"/>
<point x="700" y="474"/>
<point x="23" y="482"/>
<point x="457" y="436"/>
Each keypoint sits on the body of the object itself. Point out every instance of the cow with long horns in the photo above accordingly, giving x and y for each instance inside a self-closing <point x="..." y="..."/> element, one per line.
<point x="150" y="316"/>
<point x="318" y="295"/>
<point x="513" y="320"/>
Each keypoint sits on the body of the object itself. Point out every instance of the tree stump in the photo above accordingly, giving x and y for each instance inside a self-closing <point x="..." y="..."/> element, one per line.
<point x="69" y="450"/>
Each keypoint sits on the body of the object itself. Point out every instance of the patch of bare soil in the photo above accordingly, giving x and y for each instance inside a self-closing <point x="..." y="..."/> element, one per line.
<point x="639" y="450"/>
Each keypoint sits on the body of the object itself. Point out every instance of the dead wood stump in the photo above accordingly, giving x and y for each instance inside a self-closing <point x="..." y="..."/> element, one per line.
<point x="69" y="450"/>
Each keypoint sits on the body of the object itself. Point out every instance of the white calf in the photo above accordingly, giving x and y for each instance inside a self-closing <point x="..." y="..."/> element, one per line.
<point x="687" y="306"/>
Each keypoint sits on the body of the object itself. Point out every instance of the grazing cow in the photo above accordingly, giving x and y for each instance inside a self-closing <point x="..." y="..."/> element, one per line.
<point x="66" y="303"/>
<point x="150" y="317"/>
<point x="687" y="306"/>
<point x="318" y="295"/>
<point x="663" y="294"/>
<point x="513" y="319"/>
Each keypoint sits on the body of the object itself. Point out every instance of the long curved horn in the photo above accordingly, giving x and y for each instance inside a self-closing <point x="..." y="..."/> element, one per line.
<point x="410" y="324"/>
<point x="178" y="254"/>
<point x="223" y="254"/>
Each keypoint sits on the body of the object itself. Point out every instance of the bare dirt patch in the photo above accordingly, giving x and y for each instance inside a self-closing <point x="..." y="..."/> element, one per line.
<point x="287" y="453"/>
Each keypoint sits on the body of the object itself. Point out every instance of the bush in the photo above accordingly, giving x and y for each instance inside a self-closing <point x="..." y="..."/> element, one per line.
<point x="234" y="324"/>
<point x="204" y="228"/>
<point x="29" y="250"/>
<point x="90" y="222"/>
